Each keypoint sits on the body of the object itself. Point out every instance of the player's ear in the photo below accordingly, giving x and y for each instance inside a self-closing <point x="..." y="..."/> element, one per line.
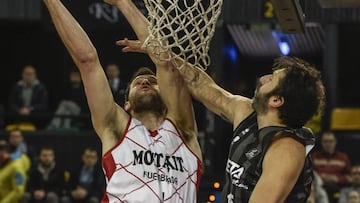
<point x="127" y="106"/>
<point x="276" y="101"/>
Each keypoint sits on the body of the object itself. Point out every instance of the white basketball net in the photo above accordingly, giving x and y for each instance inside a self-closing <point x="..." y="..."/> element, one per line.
<point x="182" y="27"/>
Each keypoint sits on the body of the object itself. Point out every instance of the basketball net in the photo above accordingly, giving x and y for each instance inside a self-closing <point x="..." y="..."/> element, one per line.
<point x="182" y="29"/>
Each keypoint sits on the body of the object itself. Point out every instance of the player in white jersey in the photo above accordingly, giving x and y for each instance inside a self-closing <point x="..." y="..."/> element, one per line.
<point x="150" y="147"/>
<point x="151" y="164"/>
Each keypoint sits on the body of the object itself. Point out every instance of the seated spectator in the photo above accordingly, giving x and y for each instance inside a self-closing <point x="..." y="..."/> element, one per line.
<point x="46" y="181"/>
<point x="353" y="197"/>
<point x="73" y="104"/>
<point x="87" y="183"/>
<point x="12" y="176"/>
<point x="317" y="194"/>
<point x="19" y="149"/>
<point x="16" y="140"/>
<point x="332" y="165"/>
<point x="354" y="184"/>
<point x="118" y="87"/>
<point x="28" y="99"/>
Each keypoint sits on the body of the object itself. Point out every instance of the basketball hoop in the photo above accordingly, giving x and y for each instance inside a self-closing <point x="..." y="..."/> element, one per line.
<point x="182" y="27"/>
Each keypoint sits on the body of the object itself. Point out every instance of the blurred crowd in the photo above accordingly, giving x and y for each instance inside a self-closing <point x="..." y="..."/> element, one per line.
<point x="337" y="180"/>
<point x="29" y="175"/>
<point x="28" y="105"/>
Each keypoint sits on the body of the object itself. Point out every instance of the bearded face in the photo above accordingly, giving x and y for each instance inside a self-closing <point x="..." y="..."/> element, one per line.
<point x="151" y="102"/>
<point x="266" y="87"/>
<point x="47" y="158"/>
<point x="260" y="100"/>
<point x="260" y="103"/>
<point x="145" y="97"/>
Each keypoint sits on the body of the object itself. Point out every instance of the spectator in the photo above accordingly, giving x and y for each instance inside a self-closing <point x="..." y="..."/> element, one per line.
<point x="20" y="150"/>
<point x="28" y="98"/>
<point x="353" y="197"/>
<point x="332" y="165"/>
<point x="72" y="106"/>
<point x="16" y="140"/>
<point x="118" y="87"/>
<point x="46" y="181"/>
<point x="87" y="182"/>
<point x="12" y="176"/>
<point x="354" y="184"/>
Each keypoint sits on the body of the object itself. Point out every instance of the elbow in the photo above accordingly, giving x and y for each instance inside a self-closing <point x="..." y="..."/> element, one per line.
<point x="85" y="58"/>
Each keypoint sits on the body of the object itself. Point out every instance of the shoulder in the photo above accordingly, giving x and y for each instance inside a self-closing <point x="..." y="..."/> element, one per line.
<point x="302" y="135"/>
<point x="286" y="141"/>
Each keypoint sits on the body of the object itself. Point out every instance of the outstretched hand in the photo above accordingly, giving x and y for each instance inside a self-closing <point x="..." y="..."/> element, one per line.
<point x="130" y="45"/>
<point x="136" y="47"/>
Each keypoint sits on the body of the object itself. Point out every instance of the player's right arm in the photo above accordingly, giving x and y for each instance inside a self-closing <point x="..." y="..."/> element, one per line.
<point x="233" y="108"/>
<point x="108" y="119"/>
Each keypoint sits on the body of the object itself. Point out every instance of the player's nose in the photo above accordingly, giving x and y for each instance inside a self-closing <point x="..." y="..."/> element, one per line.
<point x="264" y="79"/>
<point x="145" y="81"/>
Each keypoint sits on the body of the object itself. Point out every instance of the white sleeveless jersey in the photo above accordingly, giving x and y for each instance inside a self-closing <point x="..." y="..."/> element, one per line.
<point x="151" y="167"/>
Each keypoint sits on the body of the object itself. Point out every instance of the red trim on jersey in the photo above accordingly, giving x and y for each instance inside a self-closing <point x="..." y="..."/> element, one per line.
<point x="105" y="198"/>
<point x="199" y="172"/>
<point x="108" y="162"/>
<point x="109" y="165"/>
<point x="122" y="137"/>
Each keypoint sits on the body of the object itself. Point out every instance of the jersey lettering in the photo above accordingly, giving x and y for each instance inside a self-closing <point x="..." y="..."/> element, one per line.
<point x="158" y="159"/>
<point x="230" y="198"/>
<point x="235" y="171"/>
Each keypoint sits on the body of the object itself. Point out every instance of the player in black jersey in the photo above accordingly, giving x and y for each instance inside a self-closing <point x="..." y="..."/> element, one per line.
<point x="268" y="159"/>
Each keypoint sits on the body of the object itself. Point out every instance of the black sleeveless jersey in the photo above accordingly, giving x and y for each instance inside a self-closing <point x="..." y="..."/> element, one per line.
<point x="247" y="151"/>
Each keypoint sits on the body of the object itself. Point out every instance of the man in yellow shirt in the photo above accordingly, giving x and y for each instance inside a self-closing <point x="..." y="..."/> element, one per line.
<point x="12" y="176"/>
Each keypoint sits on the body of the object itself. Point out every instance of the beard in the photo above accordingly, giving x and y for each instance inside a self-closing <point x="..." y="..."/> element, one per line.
<point x="260" y="102"/>
<point x="46" y="164"/>
<point x="148" y="103"/>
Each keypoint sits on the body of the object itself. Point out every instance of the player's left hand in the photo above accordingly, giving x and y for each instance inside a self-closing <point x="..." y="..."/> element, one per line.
<point x="131" y="45"/>
<point x="159" y="58"/>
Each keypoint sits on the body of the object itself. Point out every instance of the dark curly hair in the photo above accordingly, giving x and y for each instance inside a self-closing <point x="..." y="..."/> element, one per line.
<point x="302" y="90"/>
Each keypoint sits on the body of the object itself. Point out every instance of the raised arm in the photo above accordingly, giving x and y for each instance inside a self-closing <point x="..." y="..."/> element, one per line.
<point x="177" y="99"/>
<point x="107" y="118"/>
<point x="233" y="108"/>
<point x="133" y="15"/>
